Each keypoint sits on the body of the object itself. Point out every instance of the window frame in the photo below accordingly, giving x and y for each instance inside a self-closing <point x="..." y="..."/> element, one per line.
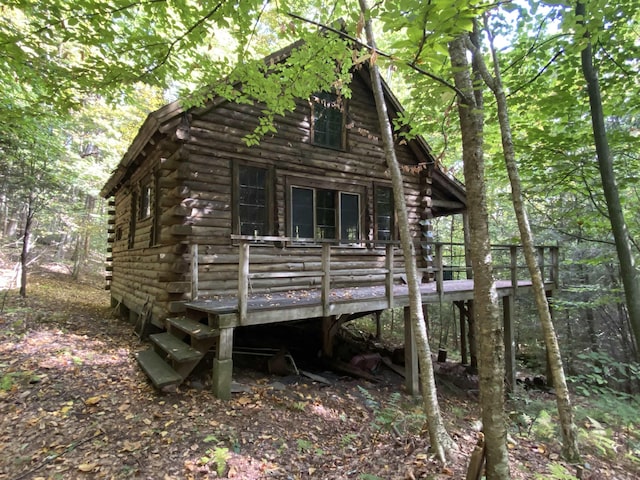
<point x="338" y="190"/>
<point x="393" y="231"/>
<point x="131" y="239"/>
<point x="236" y="222"/>
<point x="316" y="103"/>
<point x="144" y="200"/>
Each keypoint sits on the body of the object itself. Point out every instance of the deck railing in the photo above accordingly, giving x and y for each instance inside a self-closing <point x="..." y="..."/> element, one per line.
<point x="449" y="263"/>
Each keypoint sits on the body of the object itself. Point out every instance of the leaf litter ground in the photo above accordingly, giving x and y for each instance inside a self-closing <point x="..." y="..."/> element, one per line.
<point x="74" y="404"/>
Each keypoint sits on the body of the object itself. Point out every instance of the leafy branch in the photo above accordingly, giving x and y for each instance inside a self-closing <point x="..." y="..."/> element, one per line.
<point x="379" y="52"/>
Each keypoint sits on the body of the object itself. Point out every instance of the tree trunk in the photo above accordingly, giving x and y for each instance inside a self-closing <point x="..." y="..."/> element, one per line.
<point x="26" y="243"/>
<point x="628" y="270"/>
<point x="441" y="442"/>
<point x="554" y="359"/>
<point x="487" y="320"/>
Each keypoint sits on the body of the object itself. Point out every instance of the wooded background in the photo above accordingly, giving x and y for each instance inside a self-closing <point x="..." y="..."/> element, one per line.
<point x="77" y="81"/>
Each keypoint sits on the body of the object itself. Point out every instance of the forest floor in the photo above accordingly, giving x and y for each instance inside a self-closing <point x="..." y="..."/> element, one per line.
<point x="74" y="404"/>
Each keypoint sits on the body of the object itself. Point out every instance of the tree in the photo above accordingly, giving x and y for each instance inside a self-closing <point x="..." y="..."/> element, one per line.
<point x="629" y="272"/>
<point x="486" y="310"/>
<point x="494" y="82"/>
<point x="441" y="442"/>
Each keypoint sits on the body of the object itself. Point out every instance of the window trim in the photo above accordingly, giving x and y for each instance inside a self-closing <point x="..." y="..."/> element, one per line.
<point x="235" y="195"/>
<point x="144" y="200"/>
<point x="393" y="228"/>
<point x="338" y="189"/>
<point x="131" y="239"/>
<point x="313" y="101"/>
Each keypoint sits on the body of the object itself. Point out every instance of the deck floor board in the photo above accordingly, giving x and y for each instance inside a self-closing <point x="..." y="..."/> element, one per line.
<point x="354" y="299"/>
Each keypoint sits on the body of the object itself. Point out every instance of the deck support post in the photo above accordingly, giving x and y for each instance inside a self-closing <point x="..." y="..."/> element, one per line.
<point x="513" y="252"/>
<point x="463" y="333"/>
<point x="508" y="309"/>
<point x="223" y="365"/>
<point x="329" y="330"/>
<point x="412" y="379"/>
<point x="471" y="335"/>
<point x="194" y="271"/>
<point x="388" y="281"/>
<point x="326" y="278"/>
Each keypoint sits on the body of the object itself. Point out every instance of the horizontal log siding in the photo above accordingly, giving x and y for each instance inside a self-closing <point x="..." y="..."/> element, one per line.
<point x="216" y="141"/>
<point x="195" y="206"/>
<point x="146" y="271"/>
<point x="218" y="273"/>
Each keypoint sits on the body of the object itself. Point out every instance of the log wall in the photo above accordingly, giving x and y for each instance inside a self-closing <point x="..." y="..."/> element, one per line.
<point x="191" y="199"/>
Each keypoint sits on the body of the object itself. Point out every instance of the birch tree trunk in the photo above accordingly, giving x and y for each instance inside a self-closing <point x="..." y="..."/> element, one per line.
<point x="487" y="321"/>
<point x="565" y="410"/>
<point x="628" y="271"/>
<point x="441" y="442"/>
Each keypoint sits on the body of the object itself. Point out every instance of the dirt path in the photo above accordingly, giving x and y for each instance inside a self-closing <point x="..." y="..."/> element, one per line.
<point x="73" y="404"/>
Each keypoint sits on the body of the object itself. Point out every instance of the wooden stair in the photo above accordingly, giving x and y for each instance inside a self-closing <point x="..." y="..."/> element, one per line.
<point x="176" y="352"/>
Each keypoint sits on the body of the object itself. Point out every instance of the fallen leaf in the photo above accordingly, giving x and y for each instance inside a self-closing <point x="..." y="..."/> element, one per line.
<point x="87" y="467"/>
<point x="93" y="400"/>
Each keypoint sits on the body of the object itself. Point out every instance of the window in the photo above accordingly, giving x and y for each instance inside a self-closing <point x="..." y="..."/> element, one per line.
<point x="302" y="224"/>
<point x="384" y="213"/>
<point x="145" y="202"/>
<point x="327" y="121"/>
<point x="325" y="214"/>
<point x="321" y="213"/>
<point x="155" y="209"/>
<point x="252" y="200"/>
<point x="349" y="217"/>
<point x="132" y="220"/>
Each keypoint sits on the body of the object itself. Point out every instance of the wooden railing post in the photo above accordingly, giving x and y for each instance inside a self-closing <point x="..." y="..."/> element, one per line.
<point x="541" y="262"/>
<point x="513" y="251"/>
<point x="326" y="277"/>
<point x="555" y="265"/>
<point x="243" y="279"/>
<point x="388" y="279"/>
<point x="439" y="269"/>
<point x="194" y="271"/>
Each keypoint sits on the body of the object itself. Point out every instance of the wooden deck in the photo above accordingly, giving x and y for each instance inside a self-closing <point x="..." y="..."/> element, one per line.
<point x="336" y="292"/>
<point x="304" y="304"/>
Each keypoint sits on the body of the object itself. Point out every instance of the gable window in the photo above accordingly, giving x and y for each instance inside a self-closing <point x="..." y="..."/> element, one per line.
<point x="384" y="213"/>
<point x="322" y="213"/>
<point x="327" y="121"/>
<point x="252" y="186"/>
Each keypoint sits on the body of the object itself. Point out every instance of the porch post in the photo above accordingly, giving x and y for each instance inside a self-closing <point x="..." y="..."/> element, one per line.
<point x="243" y="280"/>
<point x="194" y="271"/>
<point x="412" y="380"/>
<point x="508" y="308"/>
<point x="223" y="365"/>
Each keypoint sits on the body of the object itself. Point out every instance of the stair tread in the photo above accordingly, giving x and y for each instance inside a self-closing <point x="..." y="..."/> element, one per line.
<point x="175" y="348"/>
<point x="160" y="373"/>
<point x="196" y="329"/>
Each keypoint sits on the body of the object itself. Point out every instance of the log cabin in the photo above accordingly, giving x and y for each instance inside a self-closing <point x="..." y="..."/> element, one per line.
<point x="207" y="234"/>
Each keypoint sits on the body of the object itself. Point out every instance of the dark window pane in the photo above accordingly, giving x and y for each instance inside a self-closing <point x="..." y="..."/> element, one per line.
<point x="384" y="213"/>
<point x="325" y="214"/>
<point x="327" y="121"/>
<point x="302" y="212"/>
<point x="349" y="217"/>
<point x="252" y="206"/>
